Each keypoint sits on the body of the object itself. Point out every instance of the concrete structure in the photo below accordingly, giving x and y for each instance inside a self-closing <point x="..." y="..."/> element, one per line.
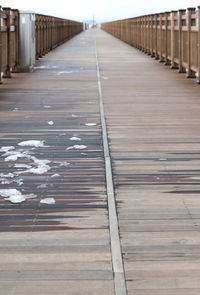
<point x="27" y="42"/>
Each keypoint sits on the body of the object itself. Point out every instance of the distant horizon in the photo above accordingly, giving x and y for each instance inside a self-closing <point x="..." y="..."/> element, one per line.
<point x="106" y="10"/>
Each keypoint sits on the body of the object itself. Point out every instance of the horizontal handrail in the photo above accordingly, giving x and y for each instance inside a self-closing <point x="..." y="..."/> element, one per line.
<point x="171" y="37"/>
<point x="50" y="32"/>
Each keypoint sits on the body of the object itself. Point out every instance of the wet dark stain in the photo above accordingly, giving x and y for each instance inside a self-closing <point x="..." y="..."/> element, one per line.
<point x="49" y="217"/>
<point x="185" y="192"/>
<point x="54" y="206"/>
<point x="155" y="179"/>
<point x="158" y="159"/>
<point x="34" y="228"/>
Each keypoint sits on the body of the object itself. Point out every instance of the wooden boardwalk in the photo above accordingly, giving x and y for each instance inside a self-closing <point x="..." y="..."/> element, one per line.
<point x="153" y="117"/>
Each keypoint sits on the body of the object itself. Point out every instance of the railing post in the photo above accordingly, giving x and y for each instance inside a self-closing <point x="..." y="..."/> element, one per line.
<point x="0" y="48"/>
<point x="131" y="32"/>
<point x="198" y="73"/>
<point x="16" y="67"/>
<point x="181" y="24"/>
<point x="142" y="32"/>
<point x="137" y="41"/>
<point x="167" y="61"/>
<point x="146" y="34"/>
<point x="37" y="36"/>
<point x="190" y="73"/>
<point x="7" y="72"/>
<point x="152" y="35"/>
<point x="161" y="38"/>
<point x="173" y="64"/>
<point x="127" y="31"/>
<point x="156" y="33"/>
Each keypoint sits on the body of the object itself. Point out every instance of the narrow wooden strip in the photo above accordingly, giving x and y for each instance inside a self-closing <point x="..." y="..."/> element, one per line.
<point x="118" y="269"/>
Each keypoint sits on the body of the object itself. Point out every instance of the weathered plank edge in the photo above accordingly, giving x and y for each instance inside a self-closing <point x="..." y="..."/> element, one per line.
<point x="118" y="268"/>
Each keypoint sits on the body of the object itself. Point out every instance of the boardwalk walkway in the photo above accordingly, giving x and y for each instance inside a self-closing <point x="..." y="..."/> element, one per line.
<point x="152" y="117"/>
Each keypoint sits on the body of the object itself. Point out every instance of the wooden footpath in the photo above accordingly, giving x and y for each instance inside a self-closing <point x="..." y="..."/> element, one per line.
<point x="152" y="117"/>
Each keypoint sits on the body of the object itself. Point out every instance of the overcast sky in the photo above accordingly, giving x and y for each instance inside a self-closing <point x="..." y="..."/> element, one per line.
<point x="103" y="9"/>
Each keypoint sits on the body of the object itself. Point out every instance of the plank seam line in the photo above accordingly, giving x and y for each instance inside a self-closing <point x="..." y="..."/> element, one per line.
<point x="117" y="262"/>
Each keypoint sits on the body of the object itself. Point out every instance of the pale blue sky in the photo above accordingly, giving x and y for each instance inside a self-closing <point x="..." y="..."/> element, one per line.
<point x="103" y="9"/>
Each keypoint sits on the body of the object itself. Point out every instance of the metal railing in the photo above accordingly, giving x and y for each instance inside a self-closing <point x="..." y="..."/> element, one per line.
<point x="50" y="32"/>
<point x="171" y="37"/>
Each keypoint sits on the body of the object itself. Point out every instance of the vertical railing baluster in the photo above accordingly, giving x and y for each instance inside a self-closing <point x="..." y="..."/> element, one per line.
<point x="0" y="47"/>
<point x="156" y="33"/>
<point x="173" y="15"/>
<point x="198" y="73"/>
<point x="161" y="38"/>
<point x="190" y="73"/>
<point x="15" y="68"/>
<point x="7" y="72"/>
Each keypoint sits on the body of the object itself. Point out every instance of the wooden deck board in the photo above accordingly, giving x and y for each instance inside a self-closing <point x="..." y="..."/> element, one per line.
<point x="62" y="248"/>
<point x="153" y="119"/>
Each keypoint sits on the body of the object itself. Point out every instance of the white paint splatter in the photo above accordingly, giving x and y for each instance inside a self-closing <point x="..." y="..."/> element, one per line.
<point x="19" y="181"/>
<point x="90" y="124"/>
<point x="80" y="147"/>
<point x="51" y="123"/>
<point x="75" y="138"/>
<point x="9" y="175"/>
<point x="42" y="185"/>
<point x="49" y="201"/>
<point x="5" y="149"/>
<point x="69" y="148"/>
<point x="41" y="67"/>
<point x="34" y="143"/>
<point x="45" y="67"/>
<point x="76" y="147"/>
<point x="64" y="72"/>
<point x="64" y="163"/>
<point x="41" y="168"/>
<point x="5" y="181"/>
<point x="55" y="175"/>
<point x="22" y="166"/>
<point x="15" y="196"/>
<point x="15" y="155"/>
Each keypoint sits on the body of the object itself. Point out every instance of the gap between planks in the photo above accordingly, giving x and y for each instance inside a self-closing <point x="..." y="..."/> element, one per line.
<point x="117" y="262"/>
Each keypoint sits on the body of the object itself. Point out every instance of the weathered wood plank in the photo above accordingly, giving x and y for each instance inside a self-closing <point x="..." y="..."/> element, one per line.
<point x="153" y="118"/>
<point x="51" y="287"/>
<point x="61" y="248"/>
